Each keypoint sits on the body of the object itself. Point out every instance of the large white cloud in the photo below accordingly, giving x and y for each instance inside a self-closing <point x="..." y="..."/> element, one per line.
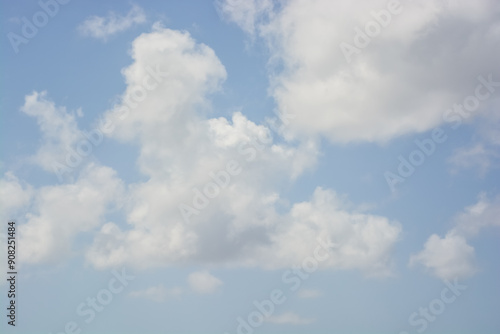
<point x="426" y="59"/>
<point x="181" y="151"/>
<point x="177" y="215"/>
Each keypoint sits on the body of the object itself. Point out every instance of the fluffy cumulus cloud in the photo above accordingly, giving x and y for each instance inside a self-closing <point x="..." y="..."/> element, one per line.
<point x="61" y="212"/>
<point x="452" y="257"/>
<point x="211" y="189"/>
<point x="51" y="217"/>
<point x="373" y="70"/>
<point x="355" y="240"/>
<point x="177" y="215"/>
<point x="447" y="258"/>
<point x="101" y="27"/>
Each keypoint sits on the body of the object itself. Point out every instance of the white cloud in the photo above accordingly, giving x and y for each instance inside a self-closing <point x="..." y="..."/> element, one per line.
<point x="452" y="257"/>
<point x="14" y="194"/>
<point x="203" y="282"/>
<point x="101" y="27"/>
<point x="471" y="157"/>
<point x="59" y="130"/>
<point x="447" y="258"/>
<point x="484" y="214"/>
<point x="61" y="212"/>
<point x="402" y="82"/>
<point x="157" y="293"/>
<point x="249" y="223"/>
<point x="309" y="293"/>
<point x="482" y="155"/>
<point x="244" y="13"/>
<point x="361" y="241"/>
<point x="289" y="318"/>
<point x="179" y="147"/>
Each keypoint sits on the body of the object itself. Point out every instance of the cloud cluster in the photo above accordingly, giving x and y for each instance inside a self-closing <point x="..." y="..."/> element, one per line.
<point x="452" y="257"/>
<point x="249" y="222"/>
<point x="377" y="70"/>
<point x="409" y="68"/>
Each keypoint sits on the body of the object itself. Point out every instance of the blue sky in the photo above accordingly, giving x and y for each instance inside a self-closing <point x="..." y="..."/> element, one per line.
<point x="252" y="166"/>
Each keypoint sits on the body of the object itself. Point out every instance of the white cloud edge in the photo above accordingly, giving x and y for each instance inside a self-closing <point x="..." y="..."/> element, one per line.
<point x="102" y="27"/>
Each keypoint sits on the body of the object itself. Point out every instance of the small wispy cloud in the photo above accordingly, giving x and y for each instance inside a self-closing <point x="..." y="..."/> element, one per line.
<point x="477" y="156"/>
<point x="290" y="318"/>
<point x="203" y="282"/>
<point x="157" y="293"/>
<point x="101" y="27"/>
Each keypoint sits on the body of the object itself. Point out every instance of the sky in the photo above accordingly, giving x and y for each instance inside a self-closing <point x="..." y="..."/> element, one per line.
<point x="251" y="166"/>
